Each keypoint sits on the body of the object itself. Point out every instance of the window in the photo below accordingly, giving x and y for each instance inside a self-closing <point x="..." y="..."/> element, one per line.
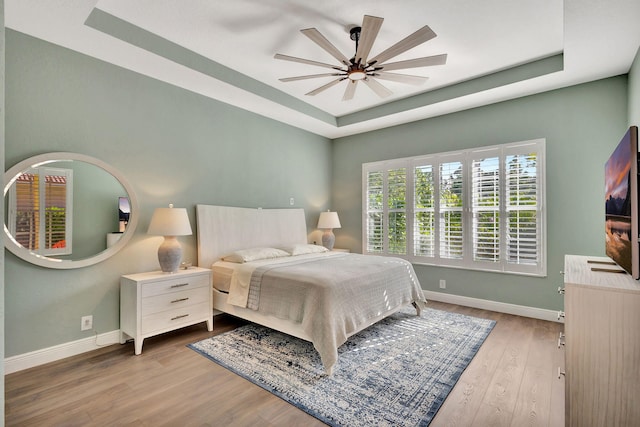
<point x="480" y="209"/>
<point x="40" y="210"/>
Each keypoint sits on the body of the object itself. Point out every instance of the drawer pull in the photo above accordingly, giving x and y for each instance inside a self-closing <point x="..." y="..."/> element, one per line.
<point x="179" y="285"/>
<point x="179" y="300"/>
<point x="560" y="314"/>
<point x="560" y="290"/>
<point x="561" y="373"/>
<point x="560" y="340"/>
<point x="179" y="317"/>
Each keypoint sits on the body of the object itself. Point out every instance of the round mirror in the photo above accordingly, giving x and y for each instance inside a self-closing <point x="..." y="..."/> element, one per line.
<point x="67" y="210"/>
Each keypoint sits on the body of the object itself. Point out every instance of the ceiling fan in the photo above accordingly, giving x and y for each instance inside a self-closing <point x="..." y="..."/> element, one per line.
<point x="360" y="67"/>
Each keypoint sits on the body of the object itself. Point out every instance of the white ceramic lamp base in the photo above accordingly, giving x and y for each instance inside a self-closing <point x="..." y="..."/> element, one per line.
<point x="328" y="239"/>
<point x="170" y="254"/>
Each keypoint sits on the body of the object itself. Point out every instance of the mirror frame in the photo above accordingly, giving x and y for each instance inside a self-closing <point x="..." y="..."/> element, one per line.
<point x="20" y="251"/>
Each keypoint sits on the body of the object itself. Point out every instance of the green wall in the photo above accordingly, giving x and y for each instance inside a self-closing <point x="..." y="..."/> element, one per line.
<point x="634" y="91"/>
<point x="581" y="124"/>
<point x="2" y="139"/>
<point x="172" y="145"/>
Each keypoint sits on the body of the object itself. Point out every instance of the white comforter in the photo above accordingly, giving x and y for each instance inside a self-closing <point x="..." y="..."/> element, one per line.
<point x="331" y="295"/>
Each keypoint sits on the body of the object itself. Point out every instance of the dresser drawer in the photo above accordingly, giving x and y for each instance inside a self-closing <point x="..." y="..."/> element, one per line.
<point x="172" y="319"/>
<point x="172" y="300"/>
<point x="174" y="285"/>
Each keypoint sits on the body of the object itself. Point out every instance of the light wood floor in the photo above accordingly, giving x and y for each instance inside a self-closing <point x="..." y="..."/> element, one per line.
<point x="512" y="381"/>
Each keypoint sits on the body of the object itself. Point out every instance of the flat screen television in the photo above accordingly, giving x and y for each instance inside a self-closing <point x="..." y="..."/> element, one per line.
<point x="124" y="210"/>
<point x="621" y="204"/>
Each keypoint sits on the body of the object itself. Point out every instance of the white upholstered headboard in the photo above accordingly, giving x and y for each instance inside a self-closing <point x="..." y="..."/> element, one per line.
<point x="224" y="229"/>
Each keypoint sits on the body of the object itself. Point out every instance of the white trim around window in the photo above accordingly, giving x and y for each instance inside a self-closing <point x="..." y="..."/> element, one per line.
<point x="481" y="209"/>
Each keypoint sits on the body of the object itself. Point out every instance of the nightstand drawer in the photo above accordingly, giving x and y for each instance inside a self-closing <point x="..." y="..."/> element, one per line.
<point x="173" y="300"/>
<point x="174" y="285"/>
<point x="174" y="318"/>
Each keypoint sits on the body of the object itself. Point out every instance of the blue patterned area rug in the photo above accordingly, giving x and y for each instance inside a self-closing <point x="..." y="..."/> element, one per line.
<point x="397" y="372"/>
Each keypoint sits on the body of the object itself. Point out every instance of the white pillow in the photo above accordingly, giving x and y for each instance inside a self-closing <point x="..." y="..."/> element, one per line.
<point x="302" y="249"/>
<point x="254" y="254"/>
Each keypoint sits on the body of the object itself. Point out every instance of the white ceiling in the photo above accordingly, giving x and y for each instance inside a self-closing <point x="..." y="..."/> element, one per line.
<point x="224" y="50"/>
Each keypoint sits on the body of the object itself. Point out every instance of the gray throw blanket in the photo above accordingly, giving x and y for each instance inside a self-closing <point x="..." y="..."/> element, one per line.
<point x="334" y="297"/>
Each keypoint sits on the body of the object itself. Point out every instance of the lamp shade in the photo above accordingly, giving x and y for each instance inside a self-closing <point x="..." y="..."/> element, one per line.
<point x="170" y="222"/>
<point x="329" y="220"/>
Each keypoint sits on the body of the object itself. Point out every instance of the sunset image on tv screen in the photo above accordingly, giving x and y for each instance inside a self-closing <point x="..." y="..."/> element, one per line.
<point x="618" y="204"/>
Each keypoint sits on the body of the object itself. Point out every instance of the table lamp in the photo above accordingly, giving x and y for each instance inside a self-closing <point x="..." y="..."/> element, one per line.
<point x="170" y="222"/>
<point x="327" y="222"/>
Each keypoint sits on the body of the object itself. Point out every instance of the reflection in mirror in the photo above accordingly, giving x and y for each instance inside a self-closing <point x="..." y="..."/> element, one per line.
<point x="124" y="211"/>
<point x="67" y="210"/>
<point x="40" y="211"/>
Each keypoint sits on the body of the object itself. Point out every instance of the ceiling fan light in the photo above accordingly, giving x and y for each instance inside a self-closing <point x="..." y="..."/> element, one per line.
<point x="357" y="75"/>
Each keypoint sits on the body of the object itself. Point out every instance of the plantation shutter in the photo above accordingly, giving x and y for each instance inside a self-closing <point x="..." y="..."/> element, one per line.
<point x="424" y="219"/>
<point x="485" y="209"/>
<point x="27" y="213"/>
<point x="55" y="208"/>
<point x="397" y="214"/>
<point x="375" y="212"/>
<point x="522" y="209"/>
<point x="451" y="199"/>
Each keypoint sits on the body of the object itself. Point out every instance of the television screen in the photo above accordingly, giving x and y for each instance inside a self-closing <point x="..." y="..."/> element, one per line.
<point x="124" y="210"/>
<point x="621" y="204"/>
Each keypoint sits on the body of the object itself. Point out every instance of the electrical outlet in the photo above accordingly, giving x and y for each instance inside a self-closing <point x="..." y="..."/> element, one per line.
<point x="86" y="323"/>
<point x="443" y="284"/>
<point x="292" y="201"/>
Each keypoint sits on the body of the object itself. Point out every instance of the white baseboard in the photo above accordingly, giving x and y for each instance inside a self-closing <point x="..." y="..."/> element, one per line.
<point x="500" y="307"/>
<point x="51" y="354"/>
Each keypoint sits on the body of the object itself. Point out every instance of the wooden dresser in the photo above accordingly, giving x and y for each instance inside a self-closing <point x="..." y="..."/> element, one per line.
<point x="602" y="345"/>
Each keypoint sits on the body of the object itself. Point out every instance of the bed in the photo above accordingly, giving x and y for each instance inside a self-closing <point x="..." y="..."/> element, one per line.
<point x="264" y="271"/>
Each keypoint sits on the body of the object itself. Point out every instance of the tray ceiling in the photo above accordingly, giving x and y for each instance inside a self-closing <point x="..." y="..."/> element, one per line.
<point x="497" y="50"/>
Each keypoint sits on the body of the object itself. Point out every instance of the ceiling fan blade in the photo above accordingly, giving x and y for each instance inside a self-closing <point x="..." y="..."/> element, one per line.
<point x="350" y="90"/>
<point x="377" y="87"/>
<point x="322" y="41"/>
<point x="310" y="76"/>
<point x="401" y="78"/>
<point x="370" y="28"/>
<point x="325" y="87"/>
<point x="305" y="61"/>
<point x="427" y="61"/>
<point x="422" y="35"/>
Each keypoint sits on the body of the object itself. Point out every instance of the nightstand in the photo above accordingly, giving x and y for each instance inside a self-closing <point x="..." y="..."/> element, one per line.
<point x="340" y="250"/>
<point x="156" y="302"/>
